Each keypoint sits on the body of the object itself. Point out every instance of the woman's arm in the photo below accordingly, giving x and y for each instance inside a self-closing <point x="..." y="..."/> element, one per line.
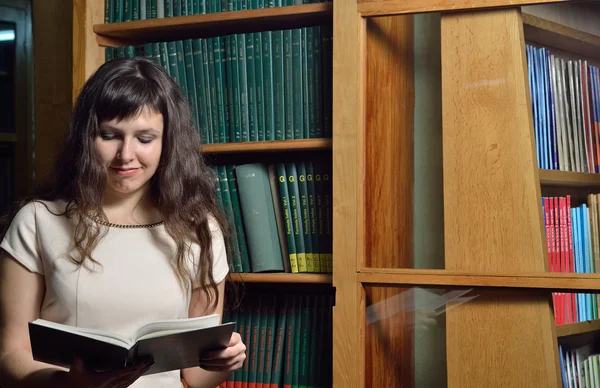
<point x="227" y="360"/>
<point x="21" y="295"/>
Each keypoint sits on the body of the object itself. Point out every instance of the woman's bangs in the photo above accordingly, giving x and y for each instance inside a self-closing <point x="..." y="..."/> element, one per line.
<point x="126" y="97"/>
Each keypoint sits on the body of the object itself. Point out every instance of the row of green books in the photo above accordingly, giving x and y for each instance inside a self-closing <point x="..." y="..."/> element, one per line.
<point x="116" y="11"/>
<point x="289" y="341"/>
<point x="272" y="85"/>
<point x="281" y="215"/>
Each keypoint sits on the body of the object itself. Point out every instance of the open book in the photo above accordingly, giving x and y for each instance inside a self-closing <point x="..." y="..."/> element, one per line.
<point x="172" y="344"/>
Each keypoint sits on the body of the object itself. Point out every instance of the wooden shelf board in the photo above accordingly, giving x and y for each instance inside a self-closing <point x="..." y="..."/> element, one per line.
<point x="281" y="278"/>
<point x="214" y="24"/>
<point x="548" y="33"/>
<point x="569" y="179"/>
<point x="267" y="146"/>
<point x="577" y="328"/>
<point x="8" y="138"/>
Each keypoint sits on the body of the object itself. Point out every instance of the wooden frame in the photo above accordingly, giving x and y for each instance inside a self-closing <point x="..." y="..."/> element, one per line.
<point x="353" y="161"/>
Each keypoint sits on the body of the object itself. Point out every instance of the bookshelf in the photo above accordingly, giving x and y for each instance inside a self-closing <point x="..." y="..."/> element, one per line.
<point x="268" y="146"/>
<point x="215" y="24"/>
<point x="282" y="278"/>
<point x="365" y="143"/>
<point x="578" y="328"/>
<point x="569" y="179"/>
<point x="310" y="286"/>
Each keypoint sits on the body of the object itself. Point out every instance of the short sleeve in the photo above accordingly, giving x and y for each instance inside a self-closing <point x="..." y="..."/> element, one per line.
<point x="20" y="240"/>
<point x="220" y="265"/>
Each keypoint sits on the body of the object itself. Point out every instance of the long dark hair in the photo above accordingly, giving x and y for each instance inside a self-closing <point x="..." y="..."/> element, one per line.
<point x="182" y="187"/>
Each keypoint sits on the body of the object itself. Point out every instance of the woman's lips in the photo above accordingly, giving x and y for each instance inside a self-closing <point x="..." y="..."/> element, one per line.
<point x="125" y="171"/>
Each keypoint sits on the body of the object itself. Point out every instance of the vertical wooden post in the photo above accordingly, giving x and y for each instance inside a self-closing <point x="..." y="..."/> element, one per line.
<point x="492" y="202"/>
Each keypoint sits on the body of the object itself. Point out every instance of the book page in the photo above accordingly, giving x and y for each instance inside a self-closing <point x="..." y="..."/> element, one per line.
<point x="159" y="328"/>
<point x="99" y="335"/>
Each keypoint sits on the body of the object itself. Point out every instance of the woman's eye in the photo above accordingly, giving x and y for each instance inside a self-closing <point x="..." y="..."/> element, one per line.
<point x="145" y="140"/>
<point x="107" y="136"/>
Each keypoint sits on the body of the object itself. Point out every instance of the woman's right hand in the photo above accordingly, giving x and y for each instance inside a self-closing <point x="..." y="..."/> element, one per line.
<point x="80" y="376"/>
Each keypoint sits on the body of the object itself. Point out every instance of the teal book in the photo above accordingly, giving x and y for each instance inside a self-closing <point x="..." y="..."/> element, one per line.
<point x="229" y="213"/>
<point x="259" y="218"/>
<point x="237" y="217"/>
<point x="305" y="216"/>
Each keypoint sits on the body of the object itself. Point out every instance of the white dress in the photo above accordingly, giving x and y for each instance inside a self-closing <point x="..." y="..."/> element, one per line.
<point x="135" y="284"/>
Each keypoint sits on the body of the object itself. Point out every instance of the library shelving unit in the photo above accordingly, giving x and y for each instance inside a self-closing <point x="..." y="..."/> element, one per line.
<point x="91" y="36"/>
<point x="494" y="240"/>
<point x="571" y="41"/>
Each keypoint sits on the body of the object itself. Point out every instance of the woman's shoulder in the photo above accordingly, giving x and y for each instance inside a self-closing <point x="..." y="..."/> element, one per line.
<point x="36" y="209"/>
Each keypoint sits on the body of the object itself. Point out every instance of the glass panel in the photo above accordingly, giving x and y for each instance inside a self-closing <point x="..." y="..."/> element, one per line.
<point x="434" y="337"/>
<point x="404" y="193"/>
<point x="7" y="77"/>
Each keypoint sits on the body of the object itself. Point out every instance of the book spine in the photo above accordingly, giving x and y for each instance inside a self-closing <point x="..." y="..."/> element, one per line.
<point x="294" y="192"/>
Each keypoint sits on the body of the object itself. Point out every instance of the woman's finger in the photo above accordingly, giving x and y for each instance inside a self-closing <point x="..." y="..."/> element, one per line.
<point x="228" y="352"/>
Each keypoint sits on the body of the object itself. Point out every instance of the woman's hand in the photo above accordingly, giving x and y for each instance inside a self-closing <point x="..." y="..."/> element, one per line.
<point x="229" y="359"/>
<point x="80" y="376"/>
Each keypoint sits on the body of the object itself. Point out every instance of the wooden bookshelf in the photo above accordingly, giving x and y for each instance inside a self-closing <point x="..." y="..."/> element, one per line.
<point x="281" y="278"/>
<point x="214" y="24"/>
<point x="577" y="328"/>
<point x="559" y="36"/>
<point x="267" y="146"/>
<point x="8" y="138"/>
<point x="568" y="179"/>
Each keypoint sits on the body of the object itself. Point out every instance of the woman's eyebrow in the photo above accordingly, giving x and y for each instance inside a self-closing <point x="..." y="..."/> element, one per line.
<point x="139" y="131"/>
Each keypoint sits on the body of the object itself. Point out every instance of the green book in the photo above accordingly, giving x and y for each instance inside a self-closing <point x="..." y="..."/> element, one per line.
<point x="305" y="342"/>
<point x="228" y="211"/>
<point x="173" y="68"/>
<point x="279" y="345"/>
<point x="278" y="86"/>
<point x="190" y="77"/>
<point x="127" y="11"/>
<point x="259" y="218"/>
<point x="233" y="78"/>
<point x="156" y="53"/>
<point x="153" y="9"/>
<point x="271" y="324"/>
<point x="287" y="216"/>
<point x="169" y="8"/>
<point x="118" y="11"/>
<point x="297" y="348"/>
<point x="240" y="328"/>
<point x="251" y="84"/>
<point x="208" y="102"/>
<point x="243" y="87"/>
<point x="214" y="102"/>
<point x="297" y="84"/>
<point x="164" y="56"/>
<point x="109" y="11"/>
<point x="317" y="95"/>
<point x="310" y="83"/>
<point x="220" y="90"/>
<point x="259" y="86"/>
<point x="290" y="339"/>
<point x="305" y="88"/>
<point x="313" y="217"/>
<point x="135" y="9"/>
<point x="201" y="107"/>
<point x="181" y="68"/>
<point x="288" y="74"/>
<point x="262" y="338"/>
<point x="255" y="343"/>
<point x="296" y="211"/>
<point x="247" y="341"/>
<point x="327" y="68"/>
<point x="305" y="216"/>
<point x="109" y="54"/>
<point x="267" y="62"/>
<point x="237" y="216"/>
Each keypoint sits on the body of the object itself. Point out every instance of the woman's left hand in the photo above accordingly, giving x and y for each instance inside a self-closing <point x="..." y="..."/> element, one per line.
<point x="229" y="359"/>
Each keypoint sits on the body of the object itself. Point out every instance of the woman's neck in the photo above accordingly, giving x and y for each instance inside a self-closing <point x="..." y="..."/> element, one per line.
<point x="133" y="209"/>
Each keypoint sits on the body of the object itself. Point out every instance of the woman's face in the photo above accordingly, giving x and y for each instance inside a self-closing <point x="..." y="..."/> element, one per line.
<point x="130" y="151"/>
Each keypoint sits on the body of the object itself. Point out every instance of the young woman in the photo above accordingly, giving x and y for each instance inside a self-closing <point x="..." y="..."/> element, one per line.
<point x="126" y="232"/>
